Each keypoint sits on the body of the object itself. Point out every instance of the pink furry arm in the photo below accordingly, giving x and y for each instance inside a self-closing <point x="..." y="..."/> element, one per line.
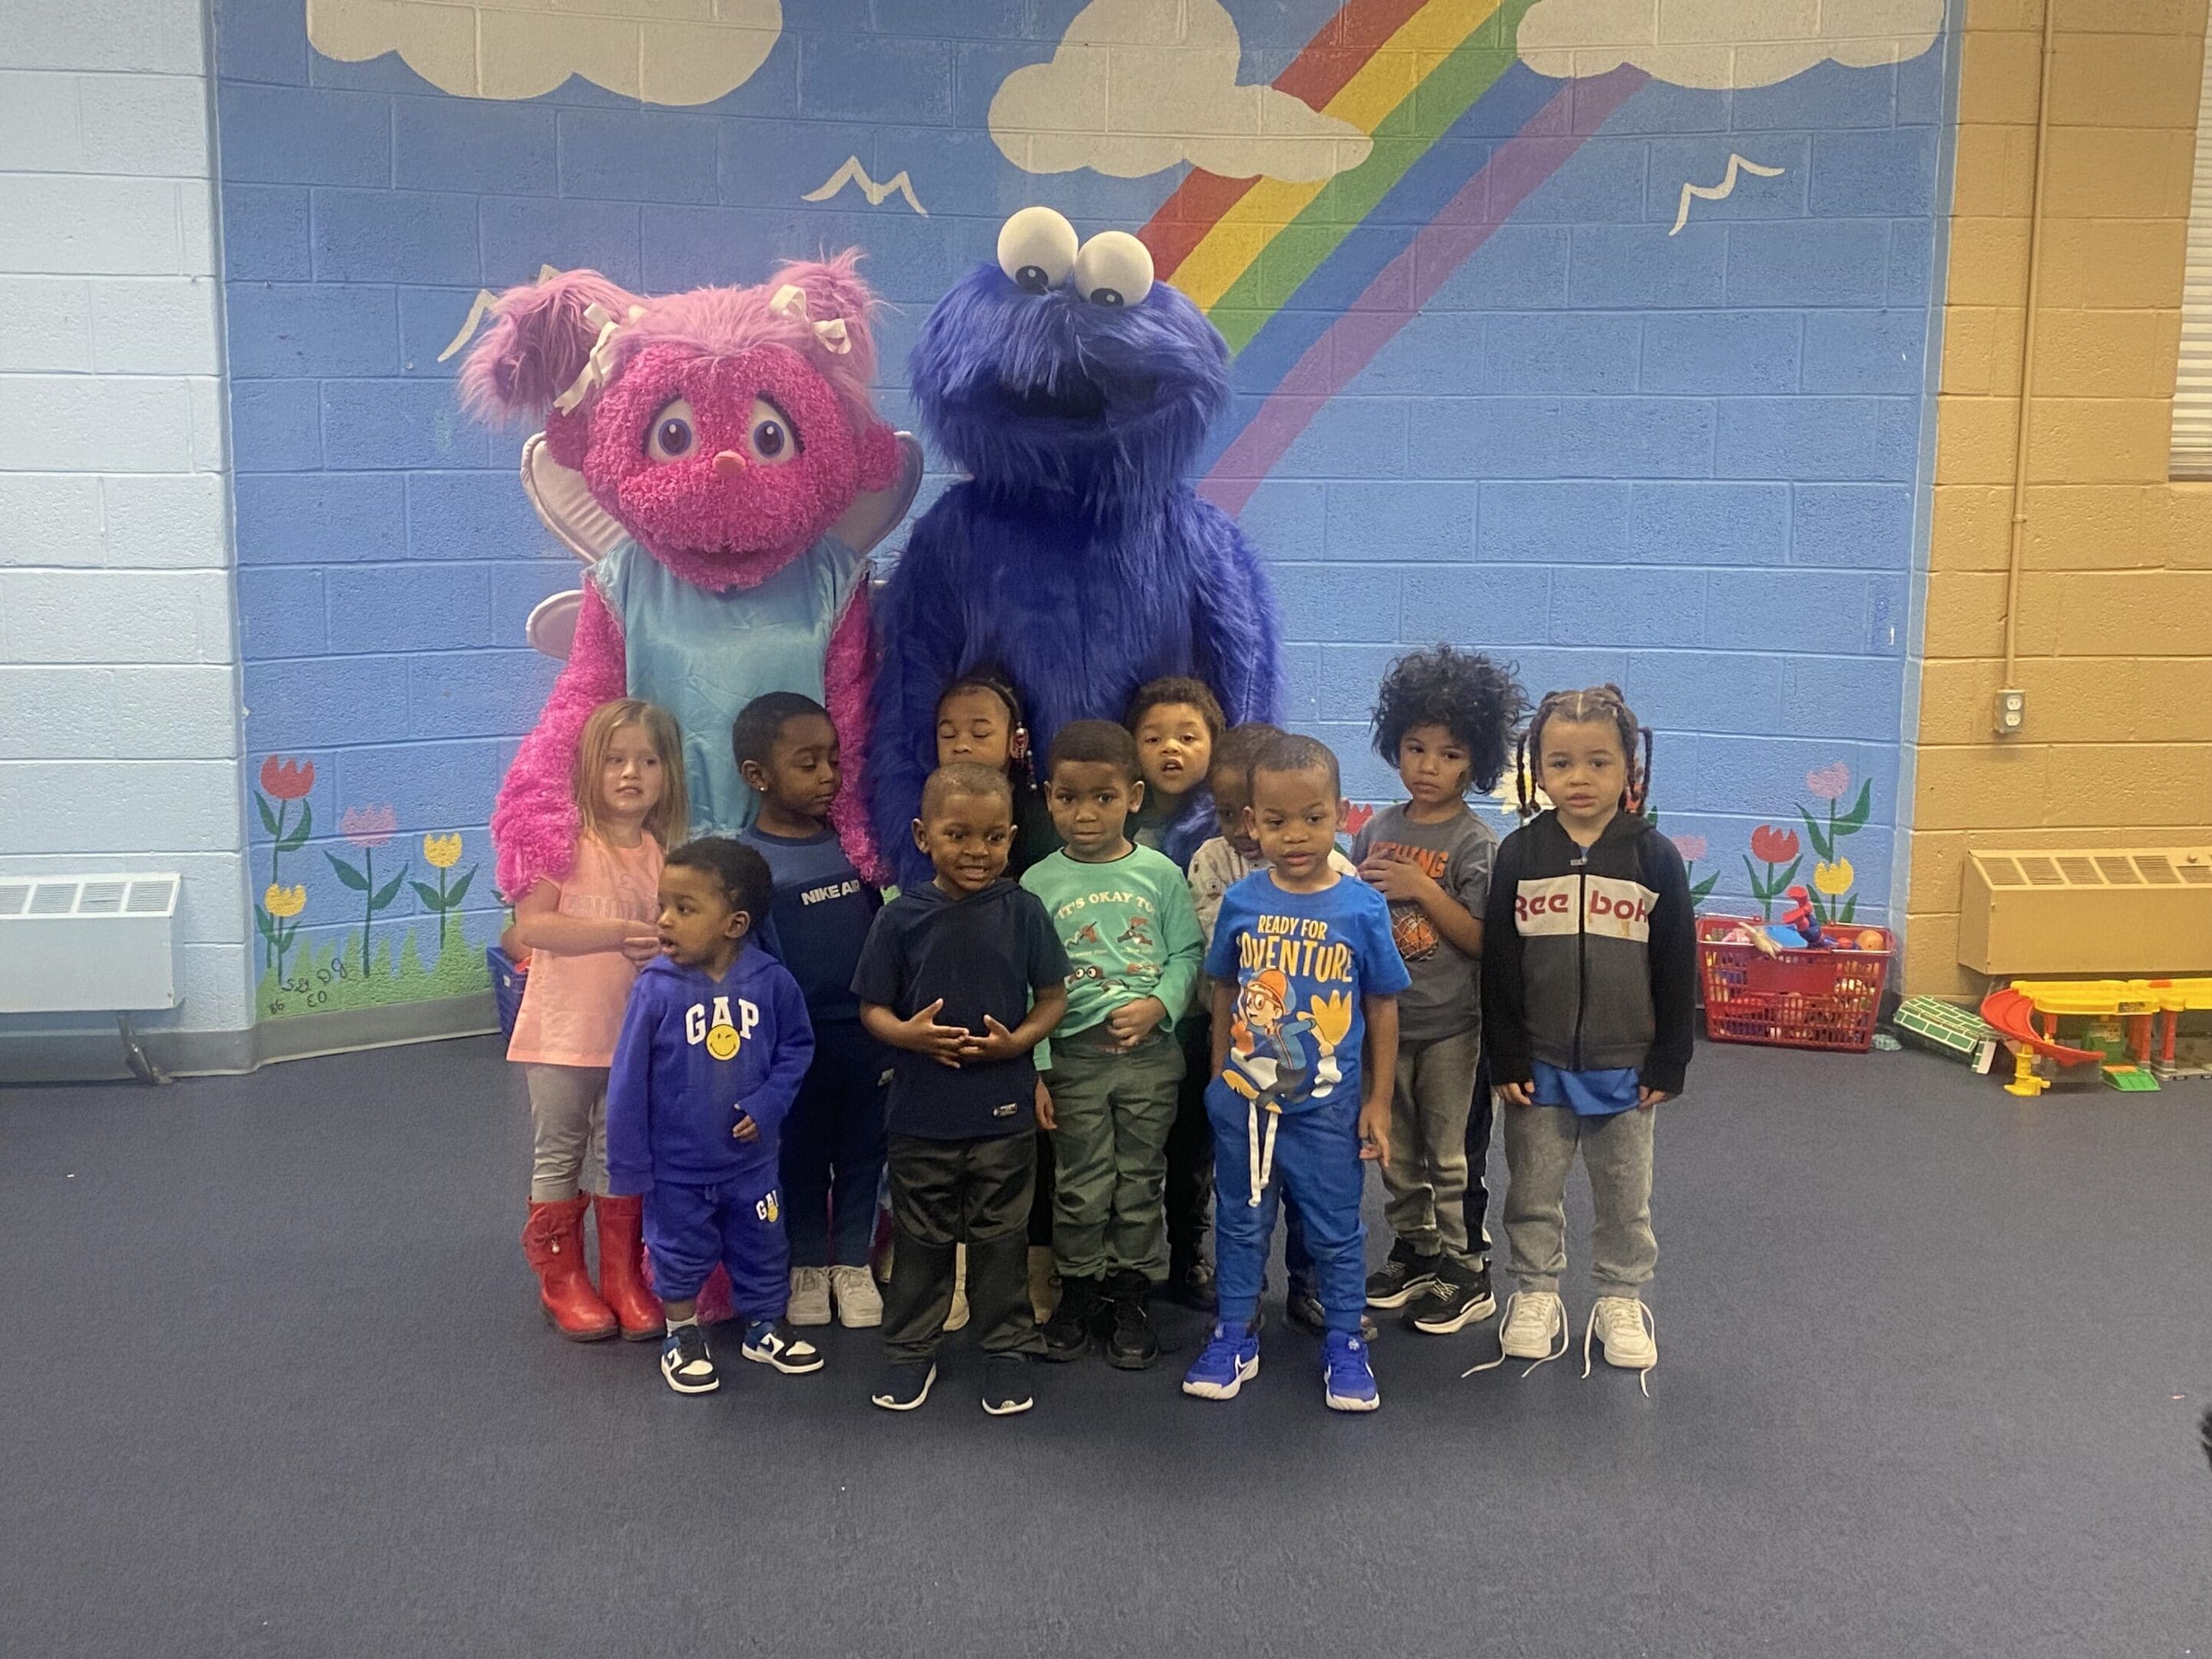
<point x="848" y="671"/>
<point x="535" y="824"/>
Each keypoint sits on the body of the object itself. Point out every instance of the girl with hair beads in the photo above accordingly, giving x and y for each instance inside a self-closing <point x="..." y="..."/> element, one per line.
<point x="588" y="933"/>
<point x="1590" y="964"/>
<point x="979" y="719"/>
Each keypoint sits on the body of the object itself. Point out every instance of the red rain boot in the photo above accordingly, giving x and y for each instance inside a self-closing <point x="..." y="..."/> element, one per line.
<point x="553" y="1243"/>
<point x="621" y="1283"/>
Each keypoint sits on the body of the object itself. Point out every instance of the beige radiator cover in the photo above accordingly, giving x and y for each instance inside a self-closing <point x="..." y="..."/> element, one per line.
<point x="2102" y="910"/>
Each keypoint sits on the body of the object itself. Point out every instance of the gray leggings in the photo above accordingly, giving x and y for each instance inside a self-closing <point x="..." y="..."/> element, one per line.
<point x="1541" y="1142"/>
<point x="569" y="1131"/>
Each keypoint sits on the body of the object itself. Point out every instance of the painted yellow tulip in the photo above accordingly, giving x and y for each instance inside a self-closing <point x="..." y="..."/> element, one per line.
<point x="1833" y="879"/>
<point x="284" y="903"/>
<point x="443" y="852"/>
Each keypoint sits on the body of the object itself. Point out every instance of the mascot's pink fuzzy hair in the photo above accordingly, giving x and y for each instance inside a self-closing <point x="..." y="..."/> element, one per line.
<point x="539" y="343"/>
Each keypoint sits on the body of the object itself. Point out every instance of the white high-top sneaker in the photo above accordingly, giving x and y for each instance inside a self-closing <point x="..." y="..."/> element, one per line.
<point x="860" y="1304"/>
<point x="1535" y="1325"/>
<point x="1625" y="1330"/>
<point x="810" y="1296"/>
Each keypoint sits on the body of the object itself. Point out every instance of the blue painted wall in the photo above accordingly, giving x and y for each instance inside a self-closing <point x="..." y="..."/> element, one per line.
<point x="1685" y="463"/>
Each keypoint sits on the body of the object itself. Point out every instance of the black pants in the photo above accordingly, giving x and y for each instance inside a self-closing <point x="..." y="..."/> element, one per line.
<point x="1477" y="1206"/>
<point x="1190" y="1149"/>
<point x="1041" y="1204"/>
<point x="945" y="1193"/>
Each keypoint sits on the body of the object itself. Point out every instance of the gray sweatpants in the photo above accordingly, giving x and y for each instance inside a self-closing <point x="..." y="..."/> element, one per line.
<point x="1540" y="1150"/>
<point x="1426" y="1175"/>
<point x="567" y="1130"/>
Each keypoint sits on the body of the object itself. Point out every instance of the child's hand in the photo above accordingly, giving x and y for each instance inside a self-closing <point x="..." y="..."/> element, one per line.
<point x="1045" y="1119"/>
<point x="1647" y="1098"/>
<point x="1374" y="1132"/>
<point x="998" y="1043"/>
<point x="1133" y="1022"/>
<point x="641" y="944"/>
<point x="746" y="1128"/>
<point x="1516" y="1094"/>
<point x="922" y="1035"/>
<point x="1396" y="878"/>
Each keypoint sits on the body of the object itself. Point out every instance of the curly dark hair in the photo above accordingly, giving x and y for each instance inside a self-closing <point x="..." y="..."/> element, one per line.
<point x="742" y="872"/>
<point x="1478" y="701"/>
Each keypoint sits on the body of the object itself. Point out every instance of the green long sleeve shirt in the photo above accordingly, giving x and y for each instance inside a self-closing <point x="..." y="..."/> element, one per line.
<point x="1129" y="929"/>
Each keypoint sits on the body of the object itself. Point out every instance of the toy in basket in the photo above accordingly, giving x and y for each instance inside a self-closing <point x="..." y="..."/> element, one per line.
<point x="1805" y="996"/>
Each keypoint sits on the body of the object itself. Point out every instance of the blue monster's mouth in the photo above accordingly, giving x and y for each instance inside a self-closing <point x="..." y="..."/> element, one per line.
<point x="1077" y="397"/>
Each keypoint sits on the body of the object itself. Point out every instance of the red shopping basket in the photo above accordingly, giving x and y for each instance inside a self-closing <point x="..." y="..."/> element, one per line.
<point x="1796" y="998"/>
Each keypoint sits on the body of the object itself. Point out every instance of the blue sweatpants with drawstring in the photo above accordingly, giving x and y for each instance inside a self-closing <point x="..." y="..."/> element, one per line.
<point x="1316" y="1163"/>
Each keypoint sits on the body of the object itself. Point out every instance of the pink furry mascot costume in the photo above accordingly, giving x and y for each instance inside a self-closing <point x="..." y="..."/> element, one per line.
<point x="700" y="449"/>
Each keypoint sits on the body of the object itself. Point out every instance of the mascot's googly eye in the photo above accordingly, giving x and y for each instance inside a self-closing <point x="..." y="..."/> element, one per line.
<point x="674" y="432"/>
<point x="770" y="435"/>
<point x="1036" y="249"/>
<point x="1113" y="268"/>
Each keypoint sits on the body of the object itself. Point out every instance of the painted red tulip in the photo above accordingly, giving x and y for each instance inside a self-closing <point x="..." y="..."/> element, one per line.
<point x="1828" y="782"/>
<point x="1771" y="845"/>
<point x="287" y="779"/>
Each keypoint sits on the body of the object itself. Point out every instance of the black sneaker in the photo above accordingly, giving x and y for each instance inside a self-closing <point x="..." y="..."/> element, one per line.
<point x="1191" y="1284"/>
<point x="1068" y="1333"/>
<point x="685" y="1362"/>
<point x="1130" y="1344"/>
<point x="901" y="1387"/>
<point x="772" y="1342"/>
<point x="1006" y="1384"/>
<point x="1459" y="1296"/>
<point x="1403" y="1277"/>
<point x="1301" y="1307"/>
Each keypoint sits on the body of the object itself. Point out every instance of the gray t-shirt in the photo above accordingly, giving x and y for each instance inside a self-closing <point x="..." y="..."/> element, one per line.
<point x="1445" y="996"/>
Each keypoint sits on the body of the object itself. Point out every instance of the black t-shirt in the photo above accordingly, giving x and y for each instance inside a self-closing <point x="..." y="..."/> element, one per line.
<point x="984" y="955"/>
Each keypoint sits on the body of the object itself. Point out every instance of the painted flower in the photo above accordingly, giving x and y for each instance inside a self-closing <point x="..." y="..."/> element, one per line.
<point x="1833" y="879"/>
<point x="1771" y="845"/>
<point x="287" y="779"/>
<point x="368" y="826"/>
<point x="1356" y="818"/>
<point x="1692" y="848"/>
<point x="284" y="903"/>
<point x="1828" y="782"/>
<point x="443" y="852"/>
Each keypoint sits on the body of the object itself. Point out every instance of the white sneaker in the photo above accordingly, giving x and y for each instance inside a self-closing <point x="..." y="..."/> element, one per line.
<point x="810" y="1296"/>
<point x="1535" y="1326"/>
<point x="860" y="1304"/>
<point x="1625" y="1330"/>
<point x="957" y="1319"/>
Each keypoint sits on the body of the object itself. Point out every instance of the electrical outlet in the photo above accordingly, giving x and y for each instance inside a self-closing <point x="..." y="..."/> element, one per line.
<point x="2011" y="713"/>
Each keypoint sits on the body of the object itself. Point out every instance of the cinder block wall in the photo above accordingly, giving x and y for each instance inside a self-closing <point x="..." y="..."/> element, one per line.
<point x="2115" y="621"/>
<point x="119" y="748"/>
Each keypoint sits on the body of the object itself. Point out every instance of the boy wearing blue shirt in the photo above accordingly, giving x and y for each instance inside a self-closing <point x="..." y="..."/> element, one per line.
<point x="1304" y="975"/>
<point x="818" y="919"/>
<point x="963" y="977"/>
<point x="713" y="1047"/>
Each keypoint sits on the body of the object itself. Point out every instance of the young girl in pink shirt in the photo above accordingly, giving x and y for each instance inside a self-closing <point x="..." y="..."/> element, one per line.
<point x="588" y="934"/>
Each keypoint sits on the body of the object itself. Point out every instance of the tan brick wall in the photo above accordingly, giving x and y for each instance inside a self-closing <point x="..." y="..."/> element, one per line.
<point x="2115" y="620"/>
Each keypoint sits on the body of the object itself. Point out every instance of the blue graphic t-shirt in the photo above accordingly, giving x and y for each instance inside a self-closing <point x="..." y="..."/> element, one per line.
<point x="1303" y="964"/>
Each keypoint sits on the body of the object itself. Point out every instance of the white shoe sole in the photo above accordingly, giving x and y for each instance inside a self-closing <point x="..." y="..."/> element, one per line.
<point x="1403" y="1294"/>
<point x="682" y="1387"/>
<point x="891" y="1405"/>
<point x="807" y="1319"/>
<point x="1472" y="1313"/>
<point x="1245" y="1372"/>
<point x="863" y="1319"/>
<point x="1339" y="1403"/>
<point x="1011" y="1409"/>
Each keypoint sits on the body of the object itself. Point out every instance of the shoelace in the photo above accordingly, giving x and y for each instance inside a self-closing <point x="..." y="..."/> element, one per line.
<point x="1643" y="1372"/>
<point x="1262" y="1163"/>
<point x="1558" y="1328"/>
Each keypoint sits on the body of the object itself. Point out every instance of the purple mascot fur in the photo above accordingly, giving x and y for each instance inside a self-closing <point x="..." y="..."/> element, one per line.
<point x="1074" y="560"/>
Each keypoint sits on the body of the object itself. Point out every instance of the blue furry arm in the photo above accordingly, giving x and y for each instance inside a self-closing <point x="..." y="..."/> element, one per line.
<point x="920" y="634"/>
<point x="1238" y="638"/>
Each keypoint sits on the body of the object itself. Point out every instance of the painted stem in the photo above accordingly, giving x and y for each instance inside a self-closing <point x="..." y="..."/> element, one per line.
<point x="368" y="900"/>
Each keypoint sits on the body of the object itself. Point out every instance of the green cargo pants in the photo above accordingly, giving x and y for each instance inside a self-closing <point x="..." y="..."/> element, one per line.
<point x="1114" y="1109"/>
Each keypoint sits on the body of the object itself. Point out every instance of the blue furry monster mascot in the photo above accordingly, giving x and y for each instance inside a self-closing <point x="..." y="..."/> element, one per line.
<point x="1074" y="560"/>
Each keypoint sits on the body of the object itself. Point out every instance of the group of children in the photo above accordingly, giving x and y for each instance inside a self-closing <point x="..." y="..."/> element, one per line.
<point x="1094" y="1019"/>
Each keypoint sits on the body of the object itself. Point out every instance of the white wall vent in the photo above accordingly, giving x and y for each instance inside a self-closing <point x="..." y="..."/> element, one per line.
<point x="103" y="943"/>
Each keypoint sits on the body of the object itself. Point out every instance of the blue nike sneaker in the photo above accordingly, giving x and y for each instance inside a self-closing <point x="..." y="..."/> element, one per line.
<point x="1347" y="1380"/>
<point x="1230" y="1360"/>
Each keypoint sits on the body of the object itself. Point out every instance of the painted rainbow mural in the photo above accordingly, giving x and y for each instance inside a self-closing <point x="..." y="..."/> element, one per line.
<point x="1308" y="282"/>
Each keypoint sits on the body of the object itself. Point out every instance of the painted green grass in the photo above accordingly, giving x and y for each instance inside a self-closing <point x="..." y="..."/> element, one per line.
<point x="330" y="978"/>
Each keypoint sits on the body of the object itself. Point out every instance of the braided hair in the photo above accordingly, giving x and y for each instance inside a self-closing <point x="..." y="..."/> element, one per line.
<point x="1598" y="705"/>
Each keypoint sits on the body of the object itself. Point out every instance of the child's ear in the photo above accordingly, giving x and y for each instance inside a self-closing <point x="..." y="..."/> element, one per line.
<point x="920" y="837"/>
<point x="1136" y="794"/>
<point x="755" y="774"/>
<point x="739" y="924"/>
<point x="1343" y="811"/>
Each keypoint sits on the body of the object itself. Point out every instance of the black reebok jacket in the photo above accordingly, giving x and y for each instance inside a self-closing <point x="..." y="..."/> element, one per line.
<point x="1590" y="958"/>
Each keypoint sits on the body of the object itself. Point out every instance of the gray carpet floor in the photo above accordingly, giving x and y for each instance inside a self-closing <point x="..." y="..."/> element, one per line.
<point x="1932" y="1361"/>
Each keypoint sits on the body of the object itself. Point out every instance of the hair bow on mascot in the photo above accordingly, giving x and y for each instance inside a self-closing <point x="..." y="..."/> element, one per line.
<point x="714" y="458"/>
<point x="1074" y="560"/>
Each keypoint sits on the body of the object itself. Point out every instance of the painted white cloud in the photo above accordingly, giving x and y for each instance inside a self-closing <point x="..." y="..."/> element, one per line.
<point x="1723" y="44"/>
<point x="1135" y="86"/>
<point x="663" y="52"/>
